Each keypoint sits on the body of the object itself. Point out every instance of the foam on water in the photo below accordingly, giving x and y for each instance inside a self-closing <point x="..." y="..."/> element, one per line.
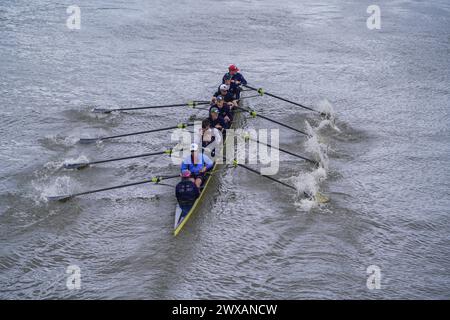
<point x="308" y="182"/>
<point x="81" y="159"/>
<point x="60" y="186"/>
<point x="326" y="107"/>
<point x="57" y="139"/>
<point x="305" y="205"/>
<point x="314" y="146"/>
<point x="53" y="166"/>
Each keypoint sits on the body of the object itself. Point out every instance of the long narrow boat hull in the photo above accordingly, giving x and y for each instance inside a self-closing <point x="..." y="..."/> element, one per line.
<point x="182" y="217"/>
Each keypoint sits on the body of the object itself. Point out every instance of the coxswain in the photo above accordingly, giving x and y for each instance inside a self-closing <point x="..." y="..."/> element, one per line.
<point x="186" y="191"/>
<point x="198" y="164"/>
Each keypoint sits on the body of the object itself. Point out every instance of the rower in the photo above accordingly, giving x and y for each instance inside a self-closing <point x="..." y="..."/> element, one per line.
<point x="198" y="164"/>
<point x="224" y="111"/>
<point x="232" y="87"/>
<point x="186" y="191"/>
<point x="208" y="137"/>
<point x="236" y="78"/>
<point x="216" y="121"/>
<point x="228" y="97"/>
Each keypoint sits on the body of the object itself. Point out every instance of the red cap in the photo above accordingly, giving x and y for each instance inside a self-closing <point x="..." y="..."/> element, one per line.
<point x="233" y="68"/>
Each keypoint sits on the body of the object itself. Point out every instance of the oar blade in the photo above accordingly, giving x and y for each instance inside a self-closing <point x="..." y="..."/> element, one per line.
<point x="80" y="165"/>
<point x="101" y="110"/>
<point x="88" y="140"/>
<point x="60" y="198"/>
<point x="320" y="198"/>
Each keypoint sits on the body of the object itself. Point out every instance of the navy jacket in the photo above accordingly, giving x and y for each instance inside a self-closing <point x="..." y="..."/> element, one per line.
<point x="228" y="97"/>
<point x="223" y="112"/>
<point x="234" y="90"/>
<point x="219" y="120"/>
<point x="237" y="77"/>
<point x="186" y="192"/>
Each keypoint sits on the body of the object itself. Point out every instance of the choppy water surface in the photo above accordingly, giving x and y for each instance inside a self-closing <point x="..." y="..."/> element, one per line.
<point x="387" y="151"/>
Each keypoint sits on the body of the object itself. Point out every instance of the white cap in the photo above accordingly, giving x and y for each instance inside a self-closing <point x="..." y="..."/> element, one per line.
<point x="224" y="87"/>
<point x="194" y="147"/>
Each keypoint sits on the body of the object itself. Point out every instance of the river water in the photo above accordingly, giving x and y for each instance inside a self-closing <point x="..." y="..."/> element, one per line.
<point x="386" y="153"/>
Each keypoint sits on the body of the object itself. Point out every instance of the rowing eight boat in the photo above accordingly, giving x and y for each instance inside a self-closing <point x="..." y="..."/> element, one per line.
<point x="182" y="217"/>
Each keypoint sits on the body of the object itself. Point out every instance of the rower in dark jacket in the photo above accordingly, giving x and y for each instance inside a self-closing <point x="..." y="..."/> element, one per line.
<point x="186" y="191"/>
<point x="224" y="111"/>
<point x="237" y="79"/>
<point x="216" y="121"/>
<point x="232" y="87"/>
<point x="227" y="96"/>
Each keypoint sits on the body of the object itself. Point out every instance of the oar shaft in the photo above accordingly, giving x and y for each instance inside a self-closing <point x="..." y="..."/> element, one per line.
<point x="282" y="124"/>
<point x="283" y="99"/>
<point x="159" y="107"/>
<point x="142" y="132"/>
<point x="274" y="121"/>
<point x="110" y="188"/>
<point x="285" y="151"/>
<point x="267" y="177"/>
<point x="292" y="102"/>
<point x="150" y="107"/>
<point x="254" y="96"/>
<point x="126" y="158"/>
<point x="121" y="186"/>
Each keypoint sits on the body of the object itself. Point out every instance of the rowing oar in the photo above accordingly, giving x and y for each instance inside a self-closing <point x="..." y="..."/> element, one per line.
<point x="254" y="96"/>
<point x="262" y="92"/>
<point x="154" y="180"/>
<point x="235" y="164"/>
<point x="191" y="104"/>
<point x="247" y="136"/>
<point x="317" y="197"/>
<point x="81" y="165"/>
<point x="90" y="140"/>
<point x="254" y="114"/>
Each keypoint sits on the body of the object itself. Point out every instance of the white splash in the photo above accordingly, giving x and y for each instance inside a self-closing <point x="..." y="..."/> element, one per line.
<point x="327" y="123"/>
<point x="317" y="148"/>
<point x="60" y="186"/>
<point x="80" y="159"/>
<point x="325" y="106"/>
<point x="308" y="183"/>
<point x="306" y="204"/>
<point x="64" y="141"/>
<point x="52" y="166"/>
